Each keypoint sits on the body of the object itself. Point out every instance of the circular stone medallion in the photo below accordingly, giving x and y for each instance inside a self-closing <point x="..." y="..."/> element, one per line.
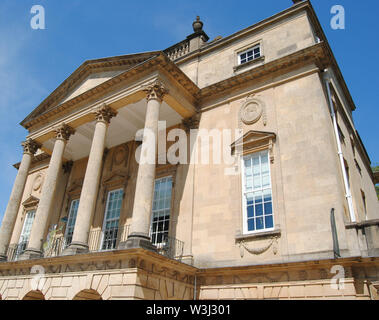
<point x="37" y="182"/>
<point x="251" y="112"/>
<point x="119" y="156"/>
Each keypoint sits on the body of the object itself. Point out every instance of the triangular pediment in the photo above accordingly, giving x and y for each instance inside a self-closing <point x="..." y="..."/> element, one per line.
<point x="30" y="202"/>
<point x="253" y="138"/>
<point x="89" y="75"/>
<point x="116" y="177"/>
<point x="91" y="81"/>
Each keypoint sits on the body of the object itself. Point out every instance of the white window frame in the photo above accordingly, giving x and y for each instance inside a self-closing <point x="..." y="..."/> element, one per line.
<point x="159" y="244"/>
<point x="105" y="220"/>
<point x="24" y="226"/>
<point x="258" y="45"/>
<point x="244" y="192"/>
<point x="70" y="216"/>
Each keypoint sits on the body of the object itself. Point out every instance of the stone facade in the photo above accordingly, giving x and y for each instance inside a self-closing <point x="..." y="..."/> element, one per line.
<point x="290" y="101"/>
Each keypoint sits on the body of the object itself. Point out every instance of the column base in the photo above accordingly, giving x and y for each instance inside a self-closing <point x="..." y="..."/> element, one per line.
<point x="31" y="254"/>
<point x="75" y="248"/>
<point x="135" y="241"/>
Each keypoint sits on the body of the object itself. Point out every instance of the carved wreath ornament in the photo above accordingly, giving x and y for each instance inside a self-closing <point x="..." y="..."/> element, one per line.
<point x="258" y="251"/>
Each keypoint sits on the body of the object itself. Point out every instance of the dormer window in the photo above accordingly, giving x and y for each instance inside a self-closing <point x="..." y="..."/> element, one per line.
<point x="249" y="55"/>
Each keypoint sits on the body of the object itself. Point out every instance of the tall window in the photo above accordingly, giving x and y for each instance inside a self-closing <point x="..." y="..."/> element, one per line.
<point x="25" y="233"/>
<point x="161" y="210"/>
<point x="249" y="55"/>
<point x="111" y="221"/>
<point x="257" y="193"/>
<point x="71" y="221"/>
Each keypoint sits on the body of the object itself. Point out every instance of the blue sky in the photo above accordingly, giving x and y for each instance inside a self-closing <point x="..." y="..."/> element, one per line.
<point x="34" y="62"/>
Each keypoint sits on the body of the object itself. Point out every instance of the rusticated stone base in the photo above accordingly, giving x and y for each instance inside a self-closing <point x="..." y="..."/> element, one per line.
<point x="142" y="274"/>
<point x="128" y="274"/>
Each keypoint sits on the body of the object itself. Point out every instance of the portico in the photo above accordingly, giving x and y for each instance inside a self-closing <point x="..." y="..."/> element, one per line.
<point x="110" y="120"/>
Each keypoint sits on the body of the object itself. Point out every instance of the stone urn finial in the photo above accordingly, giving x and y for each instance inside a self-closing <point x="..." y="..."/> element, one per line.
<point x="197" y="25"/>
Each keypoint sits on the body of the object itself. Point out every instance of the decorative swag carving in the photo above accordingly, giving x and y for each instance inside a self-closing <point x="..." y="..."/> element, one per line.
<point x="258" y="251"/>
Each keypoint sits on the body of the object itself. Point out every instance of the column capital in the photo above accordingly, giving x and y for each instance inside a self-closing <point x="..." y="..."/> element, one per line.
<point x="155" y="91"/>
<point x="63" y="132"/>
<point x="191" y="123"/>
<point x="105" y="113"/>
<point x="30" y="146"/>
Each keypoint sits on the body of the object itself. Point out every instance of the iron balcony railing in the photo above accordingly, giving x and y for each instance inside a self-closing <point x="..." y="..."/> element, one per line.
<point x="99" y="240"/>
<point x="108" y="239"/>
<point x="16" y="250"/>
<point x="171" y="248"/>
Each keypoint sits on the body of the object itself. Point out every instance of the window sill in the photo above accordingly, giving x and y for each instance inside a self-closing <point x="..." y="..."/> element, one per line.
<point x="362" y="224"/>
<point x="250" y="63"/>
<point x="263" y="234"/>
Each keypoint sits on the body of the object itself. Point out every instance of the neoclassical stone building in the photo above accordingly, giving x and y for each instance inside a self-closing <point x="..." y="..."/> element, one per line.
<point x="293" y="210"/>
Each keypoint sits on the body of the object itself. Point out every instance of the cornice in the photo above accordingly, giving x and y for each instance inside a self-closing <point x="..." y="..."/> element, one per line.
<point x="97" y="65"/>
<point x="217" y="43"/>
<point x="288" y="266"/>
<point x="313" y="54"/>
<point x="151" y="64"/>
<point x="36" y="159"/>
<point x="320" y="33"/>
<point x="305" y="6"/>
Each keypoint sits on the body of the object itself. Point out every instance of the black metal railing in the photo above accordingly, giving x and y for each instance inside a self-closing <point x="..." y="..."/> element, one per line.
<point x="100" y="240"/>
<point x="108" y="239"/>
<point x="171" y="248"/>
<point x="16" y="250"/>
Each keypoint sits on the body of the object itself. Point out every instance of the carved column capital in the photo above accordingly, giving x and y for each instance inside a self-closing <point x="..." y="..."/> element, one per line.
<point x="191" y="123"/>
<point x="105" y="114"/>
<point x="63" y="132"/>
<point x="30" y="146"/>
<point x="155" y="91"/>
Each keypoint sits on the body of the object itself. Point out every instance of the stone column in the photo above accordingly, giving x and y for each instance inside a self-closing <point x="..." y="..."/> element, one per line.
<point x="91" y="182"/>
<point x="34" y="249"/>
<point x="140" y="228"/>
<point x="10" y="216"/>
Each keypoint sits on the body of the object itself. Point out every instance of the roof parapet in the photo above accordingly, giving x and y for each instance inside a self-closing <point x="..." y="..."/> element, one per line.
<point x="192" y="43"/>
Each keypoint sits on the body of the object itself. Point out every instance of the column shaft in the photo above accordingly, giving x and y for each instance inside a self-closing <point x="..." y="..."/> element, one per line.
<point x="145" y="179"/>
<point x="90" y="189"/>
<point x="34" y="249"/>
<point x="13" y="206"/>
<point x="91" y="182"/>
<point x="140" y="228"/>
